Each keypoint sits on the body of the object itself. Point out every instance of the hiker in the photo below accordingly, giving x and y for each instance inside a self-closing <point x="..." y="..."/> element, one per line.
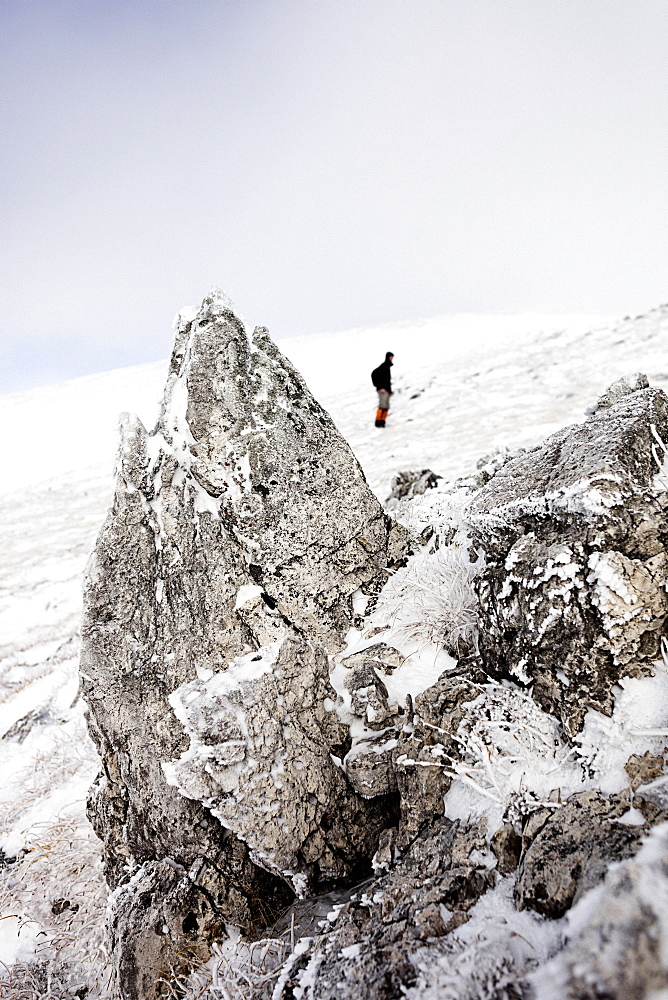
<point x="382" y="379"/>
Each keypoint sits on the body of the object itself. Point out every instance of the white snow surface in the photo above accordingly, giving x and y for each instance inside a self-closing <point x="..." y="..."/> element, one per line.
<point x="465" y="386"/>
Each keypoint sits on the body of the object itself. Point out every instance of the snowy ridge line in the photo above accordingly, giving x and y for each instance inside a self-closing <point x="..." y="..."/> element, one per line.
<point x="67" y="421"/>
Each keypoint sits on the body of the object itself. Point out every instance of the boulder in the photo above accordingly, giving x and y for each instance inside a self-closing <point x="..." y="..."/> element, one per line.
<point x="159" y="924"/>
<point x="615" y="945"/>
<point x="410" y="483"/>
<point x="572" y="850"/>
<point x="260" y="759"/>
<point x="425" y="750"/>
<point x="574" y="533"/>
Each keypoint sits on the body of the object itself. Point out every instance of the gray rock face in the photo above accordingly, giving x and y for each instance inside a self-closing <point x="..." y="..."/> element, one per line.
<point x="242" y="521"/>
<point x="618" y="953"/>
<point x="410" y="483"/>
<point x="367" y="953"/>
<point x="574" y="535"/>
<point x="572" y="850"/>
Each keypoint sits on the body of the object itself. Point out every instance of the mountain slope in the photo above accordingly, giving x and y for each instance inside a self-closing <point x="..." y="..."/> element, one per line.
<point x="506" y="381"/>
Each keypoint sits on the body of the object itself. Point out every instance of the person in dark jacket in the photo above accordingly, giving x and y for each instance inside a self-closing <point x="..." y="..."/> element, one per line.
<point x="382" y="379"/>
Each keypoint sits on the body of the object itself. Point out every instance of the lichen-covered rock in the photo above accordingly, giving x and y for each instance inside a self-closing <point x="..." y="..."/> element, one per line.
<point x="241" y="521"/>
<point x="422" y="898"/>
<point x="573" y="849"/>
<point x="616" y="947"/>
<point x="574" y="535"/>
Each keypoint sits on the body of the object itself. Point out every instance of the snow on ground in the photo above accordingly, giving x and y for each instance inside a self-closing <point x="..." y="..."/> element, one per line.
<point x="464" y="386"/>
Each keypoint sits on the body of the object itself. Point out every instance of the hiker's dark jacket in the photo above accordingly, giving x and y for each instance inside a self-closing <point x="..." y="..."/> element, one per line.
<point x="381" y="376"/>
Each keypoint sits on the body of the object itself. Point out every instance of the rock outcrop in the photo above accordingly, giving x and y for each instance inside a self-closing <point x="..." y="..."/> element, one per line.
<point x="574" y="534"/>
<point x="266" y="732"/>
<point x="241" y="535"/>
<point x="555" y="526"/>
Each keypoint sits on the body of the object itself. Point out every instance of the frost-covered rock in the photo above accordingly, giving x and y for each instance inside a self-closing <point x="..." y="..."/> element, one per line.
<point x="410" y="483"/>
<point x="369" y="696"/>
<point x="616" y="937"/>
<point x="242" y="521"/>
<point x="368" y="951"/>
<point x="573" y="532"/>
<point x="260" y="760"/>
<point x="427" y="749"/>
<point x="570" y="849"/>
<point x="622" y="387"/>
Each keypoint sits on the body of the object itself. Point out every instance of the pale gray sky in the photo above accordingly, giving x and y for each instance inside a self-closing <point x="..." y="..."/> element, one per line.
<point x="330" y="163"/>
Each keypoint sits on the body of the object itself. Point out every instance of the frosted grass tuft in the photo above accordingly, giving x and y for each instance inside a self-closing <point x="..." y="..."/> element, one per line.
<point x="432" y="599"/>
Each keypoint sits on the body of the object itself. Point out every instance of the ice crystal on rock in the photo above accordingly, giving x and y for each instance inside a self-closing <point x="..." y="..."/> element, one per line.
<point x="432" y="599"/>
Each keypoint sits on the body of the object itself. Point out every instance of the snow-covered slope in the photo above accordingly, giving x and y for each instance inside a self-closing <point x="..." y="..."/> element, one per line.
<point x="463" y="387"/>
<point x="70" y="428"/>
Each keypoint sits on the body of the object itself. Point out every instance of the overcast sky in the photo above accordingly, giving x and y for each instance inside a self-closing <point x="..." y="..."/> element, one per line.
<point x="329" y="163"/>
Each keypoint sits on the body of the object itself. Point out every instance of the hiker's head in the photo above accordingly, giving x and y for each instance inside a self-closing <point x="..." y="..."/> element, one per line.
<point x="389" y="356"/>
